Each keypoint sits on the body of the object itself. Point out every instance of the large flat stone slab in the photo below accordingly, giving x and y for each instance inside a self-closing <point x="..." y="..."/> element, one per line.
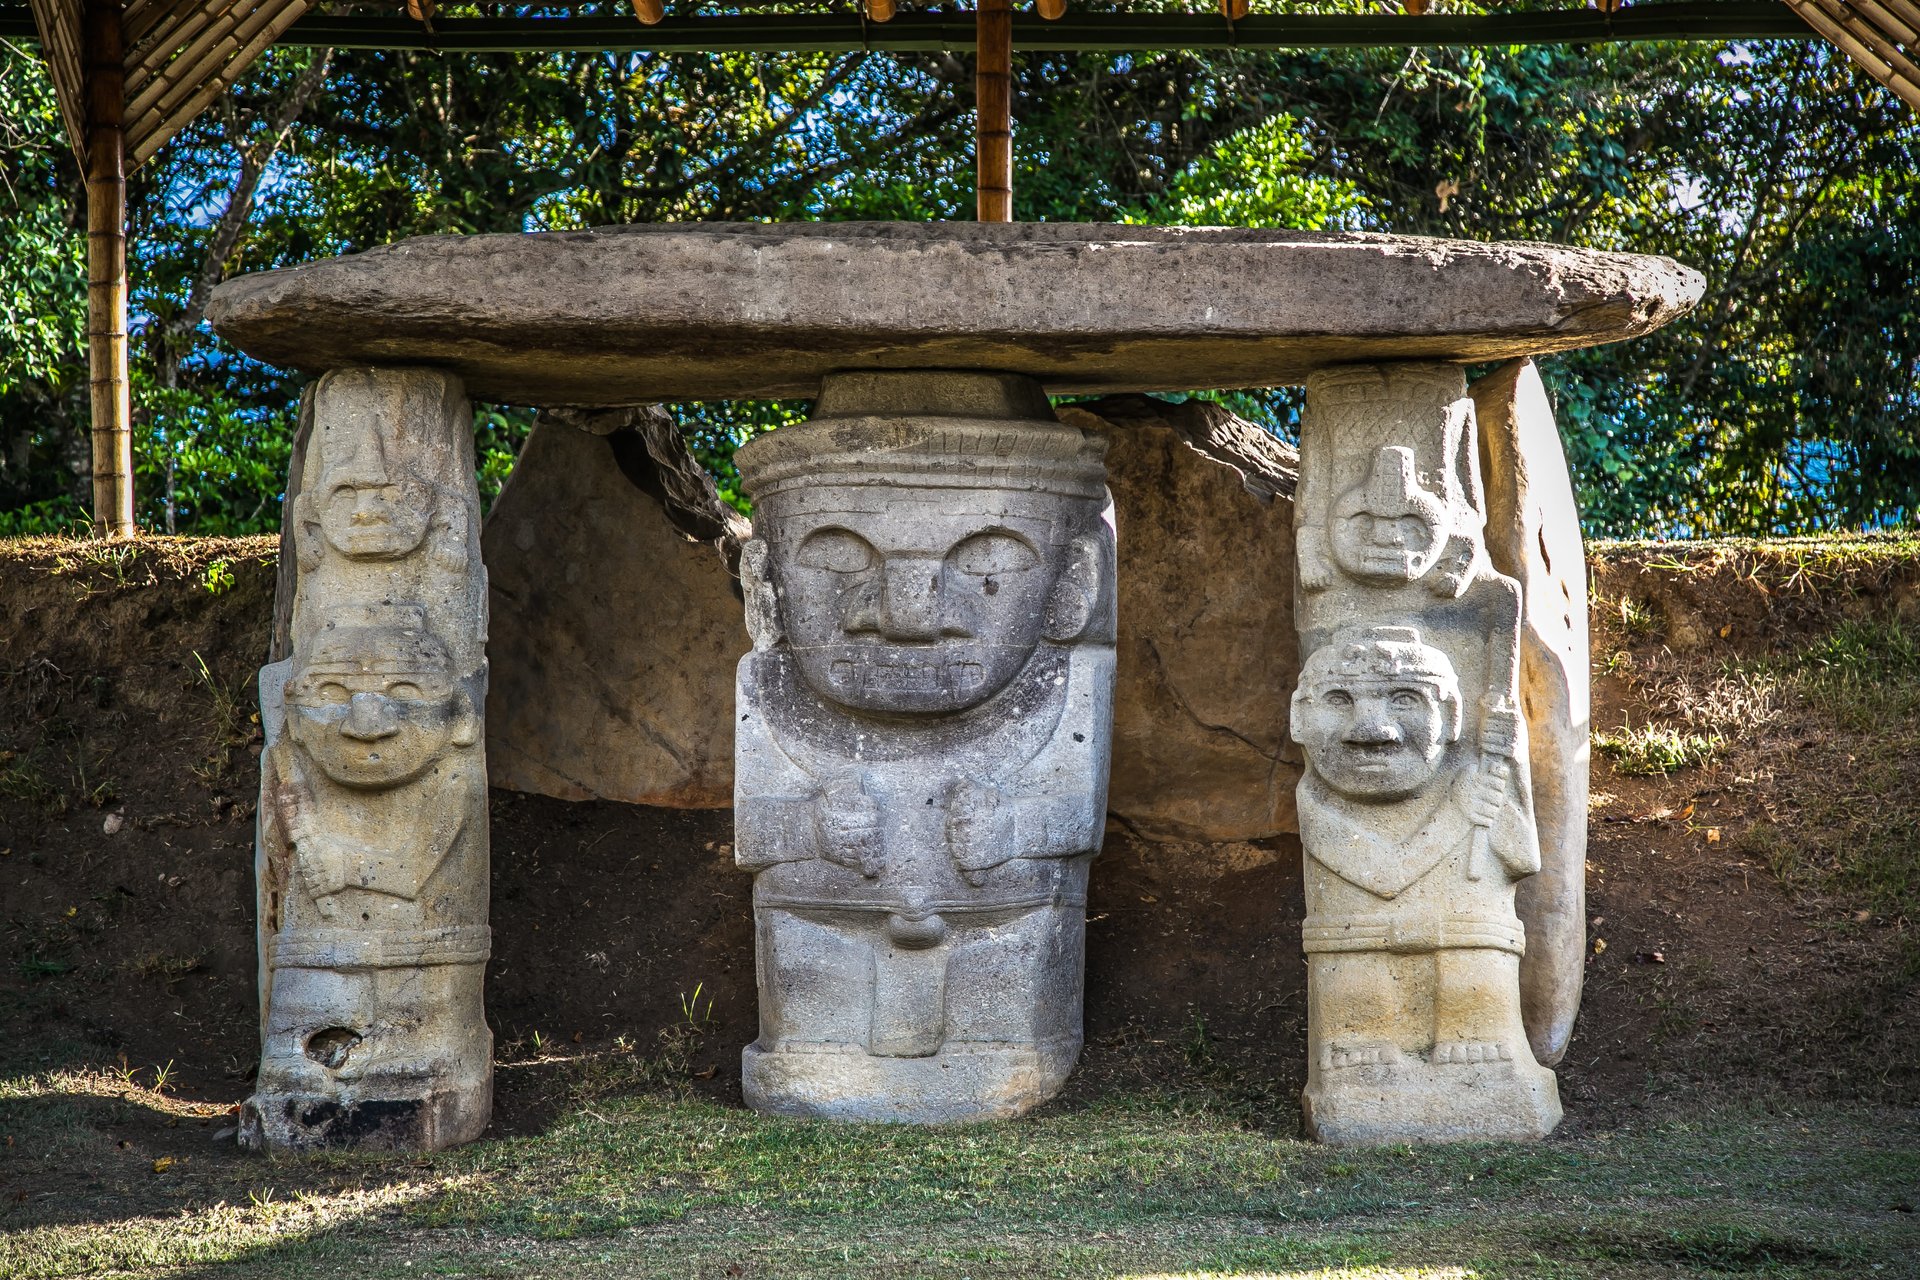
<point x="626" y="315"/>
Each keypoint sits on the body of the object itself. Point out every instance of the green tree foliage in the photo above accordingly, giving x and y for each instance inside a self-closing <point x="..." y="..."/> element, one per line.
<point x="1785" y="402"/>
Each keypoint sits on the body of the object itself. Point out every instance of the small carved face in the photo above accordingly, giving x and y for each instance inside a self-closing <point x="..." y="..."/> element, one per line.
<point x="1388" y="528"/>
<point x="911" y="609"/>
<point x="372" y="518"/>
<point x="1373" y="739"/>
<point x="372" y="729"/>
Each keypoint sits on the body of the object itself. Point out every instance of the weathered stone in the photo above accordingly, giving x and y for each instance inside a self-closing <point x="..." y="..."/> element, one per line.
<point x="922" y="737"/>
<point x="372" y="857"/>
<point x="1533" y="536"/>
<point x="1416" y="810"/>
<point x="1207" y="651"/>
<point x="617" y="624"/>
<point x="625" y="315"/>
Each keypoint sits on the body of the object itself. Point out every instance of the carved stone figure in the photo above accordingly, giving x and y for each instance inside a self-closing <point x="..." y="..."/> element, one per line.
<point x="372" y="861"/>
<point x="921" y="743"/>
<point x="1416" y="810"/>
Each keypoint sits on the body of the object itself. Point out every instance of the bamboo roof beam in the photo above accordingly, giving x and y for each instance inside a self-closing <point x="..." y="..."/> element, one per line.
<point x="1878" y="37"/>
<point x="1077" y="30"/>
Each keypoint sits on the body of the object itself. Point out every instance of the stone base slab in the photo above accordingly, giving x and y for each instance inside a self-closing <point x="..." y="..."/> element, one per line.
<point x="1423" y="1102"/>
<point x="963" y="1082"/>
<point x="373" y="1119"/>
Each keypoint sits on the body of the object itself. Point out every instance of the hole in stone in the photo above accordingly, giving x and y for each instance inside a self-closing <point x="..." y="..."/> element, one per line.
<point x="330" y="1047"/>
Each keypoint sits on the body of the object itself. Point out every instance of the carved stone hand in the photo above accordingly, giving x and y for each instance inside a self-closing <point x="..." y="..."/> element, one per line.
<point x="979" y="829"/>
<point x="1313" y="561"/>
<point x="325" y="864"/>
<point x="1488" y="794"/>
<point x="848" y="822"/>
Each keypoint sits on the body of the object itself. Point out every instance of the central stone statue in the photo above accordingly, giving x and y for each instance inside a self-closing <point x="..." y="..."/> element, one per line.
<point x="922" y="739"/>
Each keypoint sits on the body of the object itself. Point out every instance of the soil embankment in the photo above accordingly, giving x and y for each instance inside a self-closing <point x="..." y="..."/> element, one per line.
<point x="1752" y="906"/>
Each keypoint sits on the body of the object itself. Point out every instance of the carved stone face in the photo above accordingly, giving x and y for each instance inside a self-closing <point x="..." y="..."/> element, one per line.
<point x="1373" y="739"/>
<point x="1375" y="713"/>
<point x="1388" y="528"/>
<point x="371" y="714"/>
<point x="906" y="606"/>
<point x="373" y="518"/>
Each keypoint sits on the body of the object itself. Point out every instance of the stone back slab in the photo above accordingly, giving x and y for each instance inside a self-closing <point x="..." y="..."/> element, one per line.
<point x="1207" y="652"/>
<point x="616" y="620"/>
<point x="1533" y="536"/>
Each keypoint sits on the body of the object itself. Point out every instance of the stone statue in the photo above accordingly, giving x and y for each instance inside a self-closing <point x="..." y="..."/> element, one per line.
<point x="372" y="862"/>
<point x="922" y="732"/>
<point x="1416" y="809"/>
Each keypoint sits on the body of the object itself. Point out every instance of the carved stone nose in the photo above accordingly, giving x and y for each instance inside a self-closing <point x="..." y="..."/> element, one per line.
<point x="370" y="717"/>
<point x="1373" y="730"/>
<point x="910" y="599"/>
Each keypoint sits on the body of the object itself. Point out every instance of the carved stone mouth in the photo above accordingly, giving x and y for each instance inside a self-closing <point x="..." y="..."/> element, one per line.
<point x="900" y="674"/>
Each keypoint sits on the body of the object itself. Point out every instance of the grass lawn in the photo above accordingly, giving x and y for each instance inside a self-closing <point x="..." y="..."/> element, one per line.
<point x="654" y="1185"/>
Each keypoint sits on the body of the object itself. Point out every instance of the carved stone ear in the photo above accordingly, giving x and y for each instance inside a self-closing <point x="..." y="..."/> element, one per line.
<point x="763" y="604"/>
<point x="306" y="531"/>
<point x="466" y="725"/>
<point x="1454" y="717"/>
<point x="1081" y="608"/>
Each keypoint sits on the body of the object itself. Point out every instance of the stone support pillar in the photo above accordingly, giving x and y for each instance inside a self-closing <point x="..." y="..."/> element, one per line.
<point x="372" y="856"/>
<point x="1416" y="811"/>
<point x="922" y="735"/>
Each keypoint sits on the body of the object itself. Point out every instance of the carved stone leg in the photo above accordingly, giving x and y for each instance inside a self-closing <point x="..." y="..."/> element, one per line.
<point x="921" y="742"/>
<point x="372" y="855"/>
<point x="1416" y="811"/>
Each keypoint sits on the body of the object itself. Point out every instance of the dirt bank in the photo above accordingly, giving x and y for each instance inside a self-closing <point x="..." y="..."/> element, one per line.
<point x="1738" y="941"/>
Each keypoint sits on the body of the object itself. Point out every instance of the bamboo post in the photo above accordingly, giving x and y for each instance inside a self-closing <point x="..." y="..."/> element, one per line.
<point x="993" y="107"/>
<point x="107" y="270"/>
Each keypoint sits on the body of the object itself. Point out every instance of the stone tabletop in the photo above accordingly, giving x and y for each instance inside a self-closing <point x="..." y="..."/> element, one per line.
<point x="624" y="315"/>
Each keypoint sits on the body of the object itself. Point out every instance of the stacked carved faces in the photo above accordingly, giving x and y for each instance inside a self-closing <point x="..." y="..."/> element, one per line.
<point x="1415" y="811"/>
<point x="373" y="864"/>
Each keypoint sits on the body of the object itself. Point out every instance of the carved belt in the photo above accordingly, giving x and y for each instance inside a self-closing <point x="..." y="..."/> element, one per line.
<point x="381" y="949"/>
<point x="917" y="909"/>
<point x="1411" y="937"/>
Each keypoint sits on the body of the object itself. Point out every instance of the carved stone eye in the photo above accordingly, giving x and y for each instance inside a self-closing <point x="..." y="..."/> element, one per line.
<point x="333" y="694"/>
<point x="993" y="552"/>
<point x="1339" y="698"/>
<point x="1406" y="699"/>
<point x="404" y="691"/>
<point x="835" y="550"/>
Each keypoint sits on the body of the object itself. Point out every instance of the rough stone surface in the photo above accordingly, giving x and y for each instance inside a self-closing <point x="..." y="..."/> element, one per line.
<point x="923" y="730"/>
<point x="1533" y="536"/>
<point x="616" y="622"/>
<point x="1416" y="811"/>
<point x="1207" y="651"/>
<point x="626" y="315"/>
<point x="372" y="858"/>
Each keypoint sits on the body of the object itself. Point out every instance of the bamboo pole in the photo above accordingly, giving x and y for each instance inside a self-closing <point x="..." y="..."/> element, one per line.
<point x="993" y="111"/>
<point x="107" y="271"/>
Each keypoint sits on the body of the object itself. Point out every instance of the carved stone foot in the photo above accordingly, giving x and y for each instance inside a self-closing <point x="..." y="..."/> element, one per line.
<point x="1361" y="1055"/>
<point x="1461" y="1052"/>
<point x="1412" y="1101"/>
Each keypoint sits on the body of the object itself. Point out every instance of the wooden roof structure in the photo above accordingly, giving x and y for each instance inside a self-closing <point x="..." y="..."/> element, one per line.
<point x="129" y="74"/>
